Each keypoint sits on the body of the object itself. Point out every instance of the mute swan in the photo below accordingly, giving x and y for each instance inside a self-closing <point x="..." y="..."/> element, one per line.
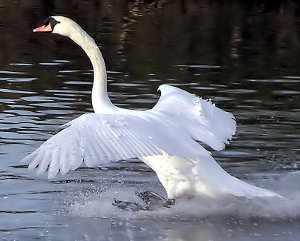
<point x="165" y="137"/>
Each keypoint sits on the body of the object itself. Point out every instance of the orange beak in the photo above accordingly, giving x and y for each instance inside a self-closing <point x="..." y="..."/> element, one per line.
<point x="43" y="28"/>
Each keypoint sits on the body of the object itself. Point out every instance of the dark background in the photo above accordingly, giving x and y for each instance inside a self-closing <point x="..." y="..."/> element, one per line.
<point x="256" y="38"/>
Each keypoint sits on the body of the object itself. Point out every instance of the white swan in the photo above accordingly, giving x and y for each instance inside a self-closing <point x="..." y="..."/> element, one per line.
<point x="165" y="137"/>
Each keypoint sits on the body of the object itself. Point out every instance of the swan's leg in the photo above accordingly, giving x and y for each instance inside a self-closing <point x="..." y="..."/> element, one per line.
<point x="129" y="206"/>
<point x="151" y="198"/>
<point x="169" y="202"/>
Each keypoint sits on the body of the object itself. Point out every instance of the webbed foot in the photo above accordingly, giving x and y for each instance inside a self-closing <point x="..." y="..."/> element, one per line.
<point x="153" y="199"/>
<point x="128" y="206"/>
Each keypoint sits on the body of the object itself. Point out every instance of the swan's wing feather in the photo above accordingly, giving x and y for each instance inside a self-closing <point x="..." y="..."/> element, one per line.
<point x="98" y="139"/>
<point x="201" y="118"/>
<point x="171" y="127"/>
<point x="60" y="153"/>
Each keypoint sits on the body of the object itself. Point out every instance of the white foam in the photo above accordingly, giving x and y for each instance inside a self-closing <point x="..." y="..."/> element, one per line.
<point x="100" y="204"/>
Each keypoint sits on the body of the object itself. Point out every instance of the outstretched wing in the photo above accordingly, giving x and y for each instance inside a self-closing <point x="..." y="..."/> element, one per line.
<point x="172" y="127"/>
<point x="98" y="139"/>
<point x="201" y="118"/>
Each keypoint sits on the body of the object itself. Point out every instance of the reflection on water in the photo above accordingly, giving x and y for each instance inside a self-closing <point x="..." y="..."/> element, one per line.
<point x="242" y="55"/>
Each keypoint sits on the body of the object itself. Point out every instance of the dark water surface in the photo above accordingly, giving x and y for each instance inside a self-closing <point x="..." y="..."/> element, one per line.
<point x="244" y="56"/>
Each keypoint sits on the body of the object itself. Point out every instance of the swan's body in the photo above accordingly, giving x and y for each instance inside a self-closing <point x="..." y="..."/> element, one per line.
<point x="165" y="137"/>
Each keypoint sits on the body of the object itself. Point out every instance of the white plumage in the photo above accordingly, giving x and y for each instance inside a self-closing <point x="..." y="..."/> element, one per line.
<point x="165" y="137"/>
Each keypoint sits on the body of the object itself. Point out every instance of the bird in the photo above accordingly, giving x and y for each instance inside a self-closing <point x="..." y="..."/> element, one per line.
<point x="169" y="138"/>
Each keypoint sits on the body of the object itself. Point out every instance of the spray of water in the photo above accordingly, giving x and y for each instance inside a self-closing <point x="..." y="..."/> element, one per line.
<point x="99" y="204"/>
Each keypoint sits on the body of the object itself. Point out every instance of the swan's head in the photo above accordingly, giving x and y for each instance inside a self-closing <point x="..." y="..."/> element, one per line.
<point x="57" y="24"/>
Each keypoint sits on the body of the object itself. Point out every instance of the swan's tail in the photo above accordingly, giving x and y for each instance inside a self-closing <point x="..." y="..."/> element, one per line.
<point x="239" y="188"/>
<point x="190" y="178"/>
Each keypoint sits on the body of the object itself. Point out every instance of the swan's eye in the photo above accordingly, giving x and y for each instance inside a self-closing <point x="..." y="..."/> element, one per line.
<point x="52" y="22"/>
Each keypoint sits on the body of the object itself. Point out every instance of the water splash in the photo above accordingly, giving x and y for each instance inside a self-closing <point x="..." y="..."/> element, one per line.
<point x="100" y="205"/>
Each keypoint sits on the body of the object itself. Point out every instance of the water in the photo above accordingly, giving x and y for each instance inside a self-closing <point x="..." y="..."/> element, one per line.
<point x="242" y="55"/>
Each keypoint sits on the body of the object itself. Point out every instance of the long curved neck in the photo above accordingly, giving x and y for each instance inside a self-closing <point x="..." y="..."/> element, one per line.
<point x="100" y="99"/>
